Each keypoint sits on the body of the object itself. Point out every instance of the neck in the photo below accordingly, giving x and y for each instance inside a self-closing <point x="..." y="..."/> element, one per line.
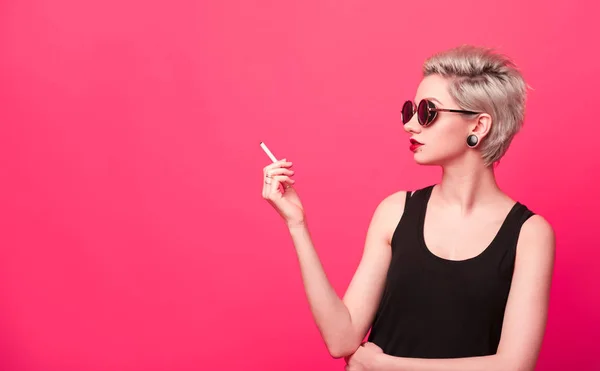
<point x="466" y="186"/>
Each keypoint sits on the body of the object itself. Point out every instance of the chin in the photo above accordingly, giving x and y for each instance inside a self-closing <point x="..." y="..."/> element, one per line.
<point x="422" y="159"/>
<point x="433" y="158"/>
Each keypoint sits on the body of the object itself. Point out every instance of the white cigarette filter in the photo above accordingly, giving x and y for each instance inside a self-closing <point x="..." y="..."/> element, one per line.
<point x="264" y="147"/>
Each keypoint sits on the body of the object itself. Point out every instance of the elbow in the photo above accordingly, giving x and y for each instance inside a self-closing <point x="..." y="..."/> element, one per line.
<point x="341" y="349"/>
<point x="338" y="352"/>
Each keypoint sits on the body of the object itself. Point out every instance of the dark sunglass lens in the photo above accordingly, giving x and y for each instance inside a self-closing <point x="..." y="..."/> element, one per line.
<point x="423" y="113"/>
<point x="407" y="112"/>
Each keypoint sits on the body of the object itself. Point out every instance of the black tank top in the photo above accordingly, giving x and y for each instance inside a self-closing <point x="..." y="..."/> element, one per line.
<point x="432" y="307"/>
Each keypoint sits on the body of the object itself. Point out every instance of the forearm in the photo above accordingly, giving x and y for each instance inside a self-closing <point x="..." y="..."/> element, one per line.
<point x="483" y="363"/>
<point x="329" y="311"/>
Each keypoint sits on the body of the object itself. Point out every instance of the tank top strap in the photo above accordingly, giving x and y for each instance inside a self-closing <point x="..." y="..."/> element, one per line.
<point x="416" y="202"/>
<point x="406" y="235"/>
<point x="421" y="194"/>
<point x="509" y="233"/>
<point x="408" y="194"/>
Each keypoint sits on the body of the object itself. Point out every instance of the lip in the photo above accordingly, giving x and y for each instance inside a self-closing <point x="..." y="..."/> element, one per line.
<point x="414" y="144"/>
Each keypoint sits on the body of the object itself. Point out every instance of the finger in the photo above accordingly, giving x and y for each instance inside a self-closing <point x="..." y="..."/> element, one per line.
<point x="370" y="345"/>
<point x="278" y="186"/>
<point x="279" y="171"/>
<point x="276" y="170"/>
<point x="278" y="164"/>
<point x="281" y="179"/>
<point x="275" y="164"/>
<point x="286" y="188"/>
<point x="275" y="190"/>
<point x="266" y="189"/>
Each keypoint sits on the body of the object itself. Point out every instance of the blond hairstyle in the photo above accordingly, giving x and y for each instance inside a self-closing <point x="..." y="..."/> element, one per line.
<point x="484" y="81"/>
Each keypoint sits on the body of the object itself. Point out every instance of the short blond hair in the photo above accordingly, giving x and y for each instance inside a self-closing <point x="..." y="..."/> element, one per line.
<point x="483" y="80"/>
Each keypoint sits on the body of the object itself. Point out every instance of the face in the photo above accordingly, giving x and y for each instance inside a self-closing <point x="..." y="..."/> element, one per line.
<point x="445" y="139"/>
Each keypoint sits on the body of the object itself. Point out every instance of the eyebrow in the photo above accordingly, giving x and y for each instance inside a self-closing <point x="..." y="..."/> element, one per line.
<point x="435" y="100"/>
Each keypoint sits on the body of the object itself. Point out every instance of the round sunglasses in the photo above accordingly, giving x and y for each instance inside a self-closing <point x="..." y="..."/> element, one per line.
<point x="426" y="112"/>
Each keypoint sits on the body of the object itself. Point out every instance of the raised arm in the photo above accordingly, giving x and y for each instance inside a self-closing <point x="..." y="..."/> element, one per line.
<point x="343" y="323"/>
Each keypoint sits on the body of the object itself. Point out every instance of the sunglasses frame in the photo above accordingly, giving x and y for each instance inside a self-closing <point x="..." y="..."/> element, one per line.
<point x="432" y="111"/>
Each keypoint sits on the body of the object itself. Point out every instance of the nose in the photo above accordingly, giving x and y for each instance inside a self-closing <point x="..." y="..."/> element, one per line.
<point x="413" y="126"/>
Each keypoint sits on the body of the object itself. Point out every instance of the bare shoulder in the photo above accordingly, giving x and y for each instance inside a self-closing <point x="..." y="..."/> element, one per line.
<point x="394" y="200"/>
<point x="536" y="237"/>
<point x="388" y="213"/>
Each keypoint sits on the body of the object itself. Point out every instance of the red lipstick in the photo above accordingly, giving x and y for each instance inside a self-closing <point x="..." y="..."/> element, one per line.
<point x="414" y="144"/>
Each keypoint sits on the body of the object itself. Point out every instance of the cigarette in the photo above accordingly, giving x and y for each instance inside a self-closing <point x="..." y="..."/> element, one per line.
<point x="264" y="147"/>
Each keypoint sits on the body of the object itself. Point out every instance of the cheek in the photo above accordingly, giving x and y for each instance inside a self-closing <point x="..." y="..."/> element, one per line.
<point x="447" y="139"/>
<point x="454" y="127"/>
<point x="444" y="141"/>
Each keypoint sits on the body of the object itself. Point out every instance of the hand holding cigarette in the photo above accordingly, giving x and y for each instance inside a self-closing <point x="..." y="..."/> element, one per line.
<point x="278" y="191"/>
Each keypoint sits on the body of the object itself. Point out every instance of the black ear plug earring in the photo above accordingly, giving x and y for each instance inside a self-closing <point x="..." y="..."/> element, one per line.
<point x="472" y="140"/>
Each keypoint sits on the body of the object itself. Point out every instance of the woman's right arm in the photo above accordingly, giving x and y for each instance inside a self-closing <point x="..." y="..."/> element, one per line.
<point x="343" y="323"/>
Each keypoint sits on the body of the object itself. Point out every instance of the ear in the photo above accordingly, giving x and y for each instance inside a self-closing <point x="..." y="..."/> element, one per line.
<point x="482" y="126"/>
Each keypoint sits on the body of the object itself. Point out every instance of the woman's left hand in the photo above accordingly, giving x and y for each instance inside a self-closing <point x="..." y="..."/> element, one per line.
<point x="365" y="358"/>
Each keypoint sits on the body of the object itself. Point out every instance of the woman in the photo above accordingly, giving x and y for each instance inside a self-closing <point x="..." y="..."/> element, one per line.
<point x="456" y="275"/>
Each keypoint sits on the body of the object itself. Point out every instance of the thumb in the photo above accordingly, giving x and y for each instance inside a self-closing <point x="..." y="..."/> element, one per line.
<point x="372" y="346"/>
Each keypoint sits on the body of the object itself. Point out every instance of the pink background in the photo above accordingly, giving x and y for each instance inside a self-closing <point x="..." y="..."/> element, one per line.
<point x="133" y="235"/>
